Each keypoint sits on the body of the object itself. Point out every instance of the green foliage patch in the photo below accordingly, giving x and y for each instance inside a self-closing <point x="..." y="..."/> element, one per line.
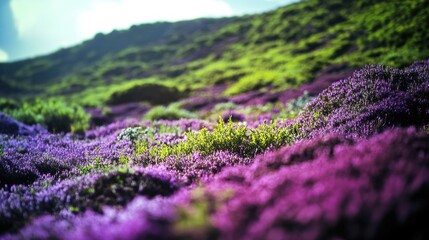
<point x="236" y="138"/>
<point x="57" y="116"/>
<point x="154" y="93"/>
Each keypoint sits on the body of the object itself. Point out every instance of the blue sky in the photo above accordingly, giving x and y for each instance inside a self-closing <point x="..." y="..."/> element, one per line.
<point x="30" y="28"/>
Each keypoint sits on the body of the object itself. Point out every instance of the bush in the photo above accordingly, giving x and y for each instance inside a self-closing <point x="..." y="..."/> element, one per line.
<point x="169" y="113"/>
<point x="326" y="189"/>
<point x="55" y="115"/>
<point x="6" y="103"/>
<point x="375" y="98"/>
<point x="153" y="93"/>
<point x="235" y="138"/>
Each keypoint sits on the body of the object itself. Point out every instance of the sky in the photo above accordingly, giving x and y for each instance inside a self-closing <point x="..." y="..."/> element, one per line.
<point x="30" y="28"/>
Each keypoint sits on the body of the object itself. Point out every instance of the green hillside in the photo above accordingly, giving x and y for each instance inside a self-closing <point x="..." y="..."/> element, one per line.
<point x="279" y="49"/>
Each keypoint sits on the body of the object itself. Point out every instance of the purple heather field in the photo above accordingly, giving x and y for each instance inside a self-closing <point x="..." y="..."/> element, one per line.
<point x="351" y="163"/>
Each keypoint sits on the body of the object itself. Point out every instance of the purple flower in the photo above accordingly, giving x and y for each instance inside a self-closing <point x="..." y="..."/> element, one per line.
<point x="372" y="100"/>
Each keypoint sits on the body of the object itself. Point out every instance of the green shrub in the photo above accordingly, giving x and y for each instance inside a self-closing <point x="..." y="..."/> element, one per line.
<point x="6" y="103"/>
<point x="153" y="93"/>
<point x="55" y="115"/>
<point x="234" y="137"/>
<point x="169" y="113"/>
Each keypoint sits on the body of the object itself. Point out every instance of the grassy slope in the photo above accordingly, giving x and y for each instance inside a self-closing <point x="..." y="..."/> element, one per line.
<point x="281" y="48"/>
<point x="119" y="55"/>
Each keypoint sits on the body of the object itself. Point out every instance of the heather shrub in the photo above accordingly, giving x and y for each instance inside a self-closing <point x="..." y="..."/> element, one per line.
<point x="110" y="129"/>
<point x="329" y="187"/>
<point x="267" y="111"/>
<point x="118" y="188"/>
<point x="179" y="126"/>
<point x="373" y="99"/>
<point x="10" y="126"/>
<point x="142" y="218"/>
<point x="169" y="113"/>
<point x="55" y="115"/>
<point x="11" y="173"/>
<point x="21" y="204"/>
<point x="195" y="167"/>
<point x="96" y="165"/>
<point x="26" y="159"/>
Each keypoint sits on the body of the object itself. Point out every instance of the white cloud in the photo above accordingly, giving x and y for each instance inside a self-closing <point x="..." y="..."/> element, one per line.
<point x="45" y="25"/>
<point x="106" y="15"/>
<point x="44" y="19"/>
<point x="3" y="56"/>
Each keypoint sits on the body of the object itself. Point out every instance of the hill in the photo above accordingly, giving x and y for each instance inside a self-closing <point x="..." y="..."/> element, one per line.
<point x="274" y="51"/>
